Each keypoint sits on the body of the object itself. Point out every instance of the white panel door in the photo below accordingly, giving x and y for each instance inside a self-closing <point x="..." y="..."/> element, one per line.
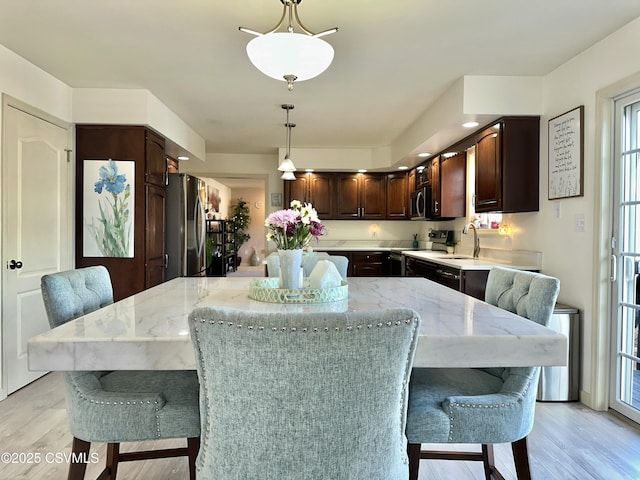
<point x="35" y="231"/>
<point x="625" y="373"/>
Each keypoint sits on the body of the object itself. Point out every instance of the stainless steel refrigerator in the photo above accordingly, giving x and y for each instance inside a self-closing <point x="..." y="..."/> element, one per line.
<point x="185" y="229"/>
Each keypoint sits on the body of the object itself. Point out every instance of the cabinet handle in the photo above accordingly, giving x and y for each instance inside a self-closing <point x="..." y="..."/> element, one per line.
<point x="442" y="273"/>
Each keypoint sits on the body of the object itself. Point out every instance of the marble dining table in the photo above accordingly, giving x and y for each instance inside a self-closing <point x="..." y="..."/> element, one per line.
<point x="149" y="330"/>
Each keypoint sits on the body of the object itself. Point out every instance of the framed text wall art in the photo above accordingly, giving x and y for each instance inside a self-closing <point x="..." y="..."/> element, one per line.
<point x="566" y="157"/>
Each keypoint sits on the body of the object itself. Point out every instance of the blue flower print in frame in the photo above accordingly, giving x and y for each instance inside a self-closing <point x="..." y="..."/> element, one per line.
<point x="108" y="203"/>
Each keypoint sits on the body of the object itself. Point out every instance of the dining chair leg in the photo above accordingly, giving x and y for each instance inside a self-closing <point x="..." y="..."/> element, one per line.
<point x="488" y="461"/>
<point x="113" y="457"/>
<point x="193" y="446"/>
<point x="521" y="459"/>
<point x="79" y="450"/>
<point x="413" y="452"/>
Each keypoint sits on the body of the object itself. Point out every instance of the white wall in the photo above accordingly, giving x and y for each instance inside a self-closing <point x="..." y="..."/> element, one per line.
<point x="255" y="199"/>
<point x="30" y="84"/>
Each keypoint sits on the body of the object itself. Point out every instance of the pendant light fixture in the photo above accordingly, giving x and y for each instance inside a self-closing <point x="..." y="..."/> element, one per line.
<point x="287" y="165"/>
<point x="287" y="55"/>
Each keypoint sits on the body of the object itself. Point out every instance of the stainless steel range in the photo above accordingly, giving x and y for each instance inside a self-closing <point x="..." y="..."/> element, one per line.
<point x="440" y="238"/>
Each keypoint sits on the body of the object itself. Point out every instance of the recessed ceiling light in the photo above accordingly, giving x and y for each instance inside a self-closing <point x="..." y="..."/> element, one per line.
<point x="470" y="124"/>
<point x="403" y="167"/>
<point x="308" y="170"/>
<point x="362" y="170"/>
<point x="183" y="158"/>
<point x="424" y="154"/>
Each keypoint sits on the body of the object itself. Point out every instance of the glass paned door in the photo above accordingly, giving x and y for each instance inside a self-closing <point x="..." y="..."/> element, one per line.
<point x="625" y="244"/>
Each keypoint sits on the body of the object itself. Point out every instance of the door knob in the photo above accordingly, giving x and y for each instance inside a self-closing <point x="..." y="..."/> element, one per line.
<point x="13" y="264"/>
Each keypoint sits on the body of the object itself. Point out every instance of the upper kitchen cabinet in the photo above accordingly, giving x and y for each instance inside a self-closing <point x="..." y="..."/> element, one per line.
<point x="412" y="181"/>
<point x="507" y="166"/>
<point x="434" y="182"/>
<point x="398" y="195"/>
<point x="143" y="149"/>
<point x="360" y="196"/>
<point x="452" y="186"/>
<point x="423" y="175"/>
<point x="315" y="188"/>
<point x="297" y="189"/>
<point x="156" y="160"/>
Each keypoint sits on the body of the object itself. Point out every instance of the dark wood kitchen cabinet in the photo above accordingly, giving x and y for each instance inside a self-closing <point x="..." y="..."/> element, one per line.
<point x="369" y="264"/>
<point x="297" y="189"/>
<point x="315" y="188"/>
<point x="398" y="196"/>
<point x="360" y="196"/>
<point x="453" y="186"/>
<point x="434" y="175"/>
<point x="154" y="236"/>
<point x="146" y="149"/>
<point x="448" y="185"/>
<point x="471" y="282"/>
<point x="507" y="166"/>
<point x="412" y="181"/>
<point x="365" y="263"/>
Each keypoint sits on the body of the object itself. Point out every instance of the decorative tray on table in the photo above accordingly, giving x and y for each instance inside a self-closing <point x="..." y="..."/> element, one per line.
<point x="268" y="290"/>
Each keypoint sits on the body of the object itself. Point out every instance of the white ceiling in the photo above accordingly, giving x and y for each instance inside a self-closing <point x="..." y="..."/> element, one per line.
<point x="393" y="58"/>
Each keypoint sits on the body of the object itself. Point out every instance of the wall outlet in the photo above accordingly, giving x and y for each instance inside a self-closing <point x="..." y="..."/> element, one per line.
<point x="579" y="222"/>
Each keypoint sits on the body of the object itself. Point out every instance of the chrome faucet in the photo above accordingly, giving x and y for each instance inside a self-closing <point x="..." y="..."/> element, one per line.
<point x="476" y="240"/>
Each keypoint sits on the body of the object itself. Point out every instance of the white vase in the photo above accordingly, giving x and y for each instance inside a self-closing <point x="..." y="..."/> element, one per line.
<point x="255" y="258"/>
<point x="290" y="265"/>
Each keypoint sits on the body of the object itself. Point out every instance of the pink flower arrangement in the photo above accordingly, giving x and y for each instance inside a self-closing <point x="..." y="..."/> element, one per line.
<point x="293" y="228"/>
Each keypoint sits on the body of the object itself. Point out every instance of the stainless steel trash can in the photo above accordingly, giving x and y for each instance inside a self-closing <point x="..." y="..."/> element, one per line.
<point x="562" y="384"/>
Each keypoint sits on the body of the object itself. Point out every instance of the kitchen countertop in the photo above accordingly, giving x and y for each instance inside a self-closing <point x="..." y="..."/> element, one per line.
<point x="518" y="259"/>
<point x="464" y="262"/>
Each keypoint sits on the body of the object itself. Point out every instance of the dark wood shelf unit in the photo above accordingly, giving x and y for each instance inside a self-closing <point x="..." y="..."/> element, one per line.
<point x="223" y="257"/>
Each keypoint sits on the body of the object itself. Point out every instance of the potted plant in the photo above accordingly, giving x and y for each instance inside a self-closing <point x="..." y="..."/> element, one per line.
<point x="451" y="247"/>
<point x="241" y="220"/>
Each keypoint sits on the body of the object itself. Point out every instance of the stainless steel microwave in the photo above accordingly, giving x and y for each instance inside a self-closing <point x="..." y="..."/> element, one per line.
<point x="420" y="204"/>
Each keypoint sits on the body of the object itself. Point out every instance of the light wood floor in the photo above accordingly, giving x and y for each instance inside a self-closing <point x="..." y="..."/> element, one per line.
<point x="569" y="441"/>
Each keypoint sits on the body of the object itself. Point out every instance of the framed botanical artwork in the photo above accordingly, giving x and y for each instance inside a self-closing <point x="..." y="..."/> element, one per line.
<point x="107" y="200"/>
<point x="566" y="157"/>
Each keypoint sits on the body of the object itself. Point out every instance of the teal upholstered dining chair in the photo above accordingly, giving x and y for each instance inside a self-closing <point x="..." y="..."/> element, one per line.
<point x="119" y="406"/>
<point x="482" y="405"/>
<point x="303" y="395"/>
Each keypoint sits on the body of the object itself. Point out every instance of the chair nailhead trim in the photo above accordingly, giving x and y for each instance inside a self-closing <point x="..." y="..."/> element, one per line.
<point x="129" y="403"/>
<point x="475" y="405"/>
<point x="348" y="328"/>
